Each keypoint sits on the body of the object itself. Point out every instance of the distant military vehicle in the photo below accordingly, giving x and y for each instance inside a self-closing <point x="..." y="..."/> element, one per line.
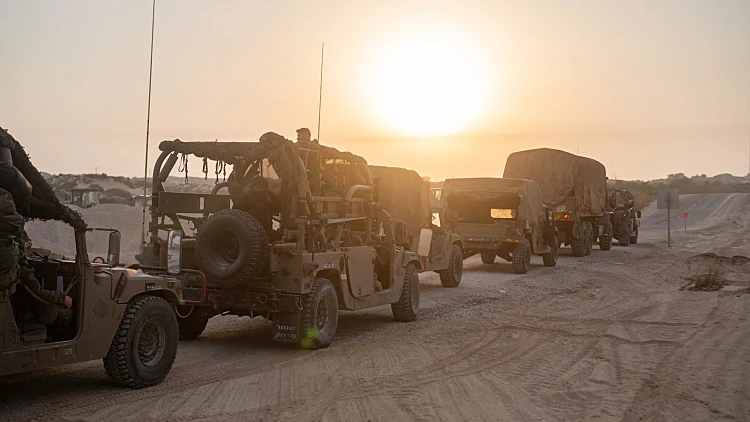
<point x="124" y="316"/>
<point x="501" y="217"/>
<point x="625" y="219"/>
<point x="295" y="250"/>
<point x="576" y="188"/>
<point x="408" y="197"/>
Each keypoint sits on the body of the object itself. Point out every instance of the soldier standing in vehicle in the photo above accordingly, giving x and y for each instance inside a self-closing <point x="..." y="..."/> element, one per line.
<point x="304" y="134"/>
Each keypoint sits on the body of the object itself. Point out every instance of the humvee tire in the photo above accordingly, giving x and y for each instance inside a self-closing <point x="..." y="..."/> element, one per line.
<point x="522" y="257"/>
<point x="550" y="258"/>
<point x="625" y="239"/>
<point x="634" y="237"/>
<point x="488" y="257"/>
<point x="605" y="239"/>
<point x="579" y="245"/>
<point x="192" y="326"/>
<point x="451" y="277"/>
<point x="145" y="345"/>
<point x="588" y="230"/>
<point x="319" y="317"/>
<point x="407" y="307"/>
<point x="231" y="248"/>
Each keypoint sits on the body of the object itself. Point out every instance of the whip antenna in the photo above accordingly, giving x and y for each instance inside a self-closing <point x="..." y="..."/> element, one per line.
<point x="148" y="126"/>
<point x="320" y="95"/>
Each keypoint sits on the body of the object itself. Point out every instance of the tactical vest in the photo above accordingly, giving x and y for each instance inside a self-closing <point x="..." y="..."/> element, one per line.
<point x="11" y="241"/>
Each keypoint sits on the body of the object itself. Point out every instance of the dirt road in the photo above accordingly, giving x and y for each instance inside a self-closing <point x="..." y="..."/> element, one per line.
<point x="618" y="335"/>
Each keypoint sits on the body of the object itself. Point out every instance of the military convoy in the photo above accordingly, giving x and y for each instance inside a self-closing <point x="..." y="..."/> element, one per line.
<point x="576" y="188"/>
<point x="123" y="316"/>
<point x="298" y="239"/>
<point x="304" y="232"/>
<point x="501" y="217"/>
<point x="625" y="219"/>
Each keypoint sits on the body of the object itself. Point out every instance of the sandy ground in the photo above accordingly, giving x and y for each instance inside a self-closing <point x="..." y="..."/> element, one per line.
<point x="630" y="334"/>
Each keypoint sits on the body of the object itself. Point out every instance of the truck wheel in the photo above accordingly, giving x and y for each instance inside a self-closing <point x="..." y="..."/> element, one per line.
<point x="625" y="239"/>
<point x="522" y="257"/>
<point x="451" y="277"/>
<point x="489" y="257"/>
<point x="605" y="239"/>
<point x="634" y="237"/>
<point x="407" y="307"/>
<point x="231" y="248"/>
<point x="588" y="236"/>
<point x="550" y="258"/>
<point x="192" y="326"/>
<point x="579" y="245"/>
<point x="319" y="317"/>
<point x="145" y="345"/>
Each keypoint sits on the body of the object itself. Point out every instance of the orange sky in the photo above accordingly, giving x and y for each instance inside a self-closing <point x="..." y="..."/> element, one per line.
<point x="646" y="87"/>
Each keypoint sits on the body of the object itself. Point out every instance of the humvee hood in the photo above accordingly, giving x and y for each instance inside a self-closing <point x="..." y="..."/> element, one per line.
<point x="43" y="205"/>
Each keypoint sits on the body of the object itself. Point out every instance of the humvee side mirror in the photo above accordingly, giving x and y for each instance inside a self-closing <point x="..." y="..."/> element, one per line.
<point x="113" y="251"/>
<point x="637" y="214"/>
<point x="174" y="251"/>
<point x="399" y="233"/>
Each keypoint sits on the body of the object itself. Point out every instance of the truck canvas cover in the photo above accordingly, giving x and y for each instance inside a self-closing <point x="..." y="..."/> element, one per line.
<point x="404" y="195"/>
<point x="560" y="175"/>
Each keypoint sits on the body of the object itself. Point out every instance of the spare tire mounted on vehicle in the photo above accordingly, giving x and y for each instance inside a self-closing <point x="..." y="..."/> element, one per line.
<point x="231" y="248"/>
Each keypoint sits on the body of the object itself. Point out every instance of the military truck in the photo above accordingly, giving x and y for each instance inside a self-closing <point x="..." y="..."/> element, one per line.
<point x="501" y="217"/>
<point x="409" y="198"/>
<point x="297" y="239"/>
<point x="123" y="316"/>
<point x="575" y="188"/>
<point x="625" y="219"/>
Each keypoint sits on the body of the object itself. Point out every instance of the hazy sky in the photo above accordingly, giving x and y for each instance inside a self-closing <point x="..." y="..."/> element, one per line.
<point x="447" y="88"/>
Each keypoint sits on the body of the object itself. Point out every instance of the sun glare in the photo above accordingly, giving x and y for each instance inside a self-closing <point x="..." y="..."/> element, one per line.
<point x="427" y="85"/>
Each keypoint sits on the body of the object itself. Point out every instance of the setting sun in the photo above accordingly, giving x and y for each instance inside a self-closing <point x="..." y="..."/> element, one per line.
<point x="427" y="85"/>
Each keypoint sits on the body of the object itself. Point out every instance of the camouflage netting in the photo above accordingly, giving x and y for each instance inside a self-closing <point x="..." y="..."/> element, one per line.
<point x="560" y="174"/>
<point x="279" y="151"/>
<point x="404" y="195"/>
<point x="43" y="205"/>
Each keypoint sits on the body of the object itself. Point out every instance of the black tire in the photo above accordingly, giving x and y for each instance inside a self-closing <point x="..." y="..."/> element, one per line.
<point x="488" y="257"/>
<point x="407" y="307"/>
<point x="588" y="236"/>
<point x="192" y="326"/>
<point x="145" y="344"/>
<point x="319" y="318"/>
<point x="625" y="239"/>
<point x="579" y="245"/>
<point x="451" y="277"/>
<point x="550" y="258"/>
<point x="522" y="257"/>
<point x="605" y="239"/>
<point x="231" y="248"/>
<point x="634" y="237"/>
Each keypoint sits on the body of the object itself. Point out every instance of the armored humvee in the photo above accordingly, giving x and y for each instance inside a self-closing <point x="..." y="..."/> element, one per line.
<point x="501" y="217"/>
<point x="575" y="188"/>
<point x="124" y="316"/>
<point x="408" y="197"/>
<point x="297" y="239"/>
<point x="625" y="219"/>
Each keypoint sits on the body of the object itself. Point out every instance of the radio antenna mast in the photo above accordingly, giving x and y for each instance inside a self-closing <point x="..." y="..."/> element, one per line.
<point x="613" y="166"/>
<point x="148" y="125"/>
<point x="320" y="95"/>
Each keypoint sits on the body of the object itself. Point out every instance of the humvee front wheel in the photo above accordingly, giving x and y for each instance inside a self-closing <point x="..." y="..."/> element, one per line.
<point x="488" y="257"/>
<point x="634" y="237"/>
<point x="451" y="277"/>
<point x="550" y="258"/>
<point x="191" y="325"/>
<point x="605" y="239"/>
<point x="625" y="239"/>
<point x="522" y="257"/>
<point x="407" y="307"/>
<point x="145" y="344"/>
<point x="319" y="317"/>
